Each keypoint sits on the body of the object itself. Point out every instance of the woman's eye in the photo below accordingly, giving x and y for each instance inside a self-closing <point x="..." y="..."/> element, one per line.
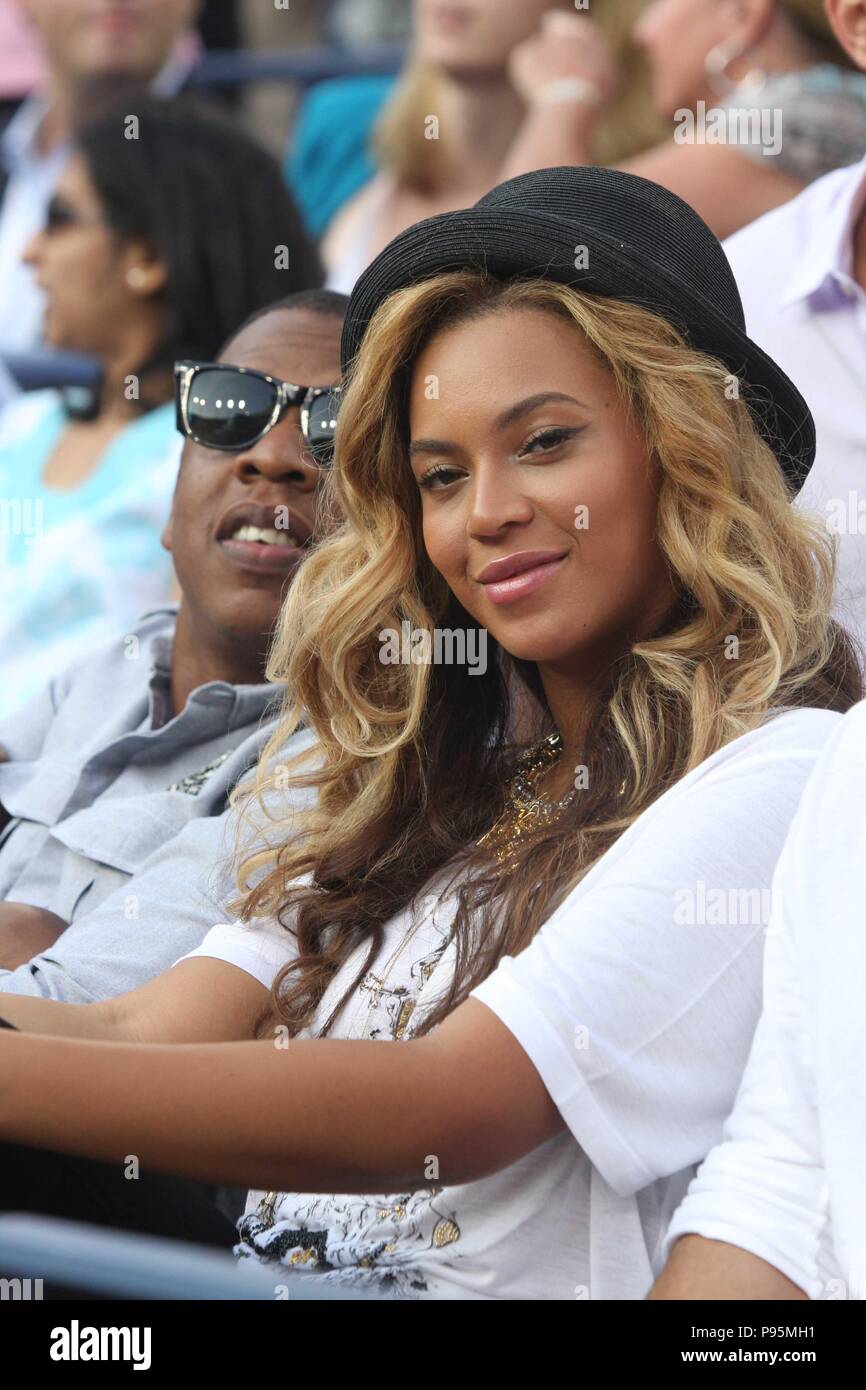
<point x="548" y="439"/>
<point x="438" y="476"/>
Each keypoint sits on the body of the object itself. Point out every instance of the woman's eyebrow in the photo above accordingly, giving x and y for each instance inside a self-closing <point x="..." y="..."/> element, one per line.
<point x="431" y="446"/>
<point x="508" y="417"/>
<point x="523" y="407"/>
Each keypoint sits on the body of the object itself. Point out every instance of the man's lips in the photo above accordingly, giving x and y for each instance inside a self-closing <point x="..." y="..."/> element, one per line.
<point x="516" y="576"/>
<point x="255" y="555"/>
<point x="283" y="544"/>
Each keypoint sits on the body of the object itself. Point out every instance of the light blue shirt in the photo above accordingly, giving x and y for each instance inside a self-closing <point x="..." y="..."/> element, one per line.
<point x="77" y="566"/>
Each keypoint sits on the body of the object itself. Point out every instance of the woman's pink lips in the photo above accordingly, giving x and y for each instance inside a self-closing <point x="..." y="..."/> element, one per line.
<point x="259" y="556"/>
<point x="523" y="584"/>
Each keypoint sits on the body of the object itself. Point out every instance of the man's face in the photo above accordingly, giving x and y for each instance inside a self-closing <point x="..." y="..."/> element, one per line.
<point x="93" y="39"/>
<point x="234" y="583"/>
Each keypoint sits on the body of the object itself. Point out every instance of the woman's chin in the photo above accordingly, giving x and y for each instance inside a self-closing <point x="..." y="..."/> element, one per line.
<point x="541" y="652"/>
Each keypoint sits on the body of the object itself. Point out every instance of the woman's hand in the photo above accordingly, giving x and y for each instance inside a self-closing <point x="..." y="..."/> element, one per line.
<point x="566" y="49"/>
<point x="566" y="74"/>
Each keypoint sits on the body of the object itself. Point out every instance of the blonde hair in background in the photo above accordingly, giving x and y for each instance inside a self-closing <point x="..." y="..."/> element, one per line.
<point x="413" y="760"/>
<point x="628" y="126"/>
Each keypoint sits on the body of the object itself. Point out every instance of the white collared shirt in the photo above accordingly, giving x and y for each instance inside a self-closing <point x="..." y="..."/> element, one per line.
<point x="794" y="269"/>
<point x="787" y="1180"/>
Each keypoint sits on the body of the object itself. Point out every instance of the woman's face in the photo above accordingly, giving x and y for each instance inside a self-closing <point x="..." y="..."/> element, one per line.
<point x="465" y="36"/>
<point x="83" y="266"/>
<point x="538" y="497"/>
<point x="676" y="36"/>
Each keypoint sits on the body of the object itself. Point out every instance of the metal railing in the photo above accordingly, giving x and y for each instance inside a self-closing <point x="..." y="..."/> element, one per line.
<point x="301" y="67"/>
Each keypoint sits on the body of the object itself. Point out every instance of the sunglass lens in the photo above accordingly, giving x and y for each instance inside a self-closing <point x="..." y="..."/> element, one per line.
<point x="321" y="424"/>
<point x="228" y="410"/>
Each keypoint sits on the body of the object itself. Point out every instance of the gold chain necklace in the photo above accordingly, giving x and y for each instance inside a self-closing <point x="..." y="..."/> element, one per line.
<point x="524" y="810"/>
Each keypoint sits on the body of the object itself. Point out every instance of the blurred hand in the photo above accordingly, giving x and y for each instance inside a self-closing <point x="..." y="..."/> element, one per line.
<point x="564" y="46"/>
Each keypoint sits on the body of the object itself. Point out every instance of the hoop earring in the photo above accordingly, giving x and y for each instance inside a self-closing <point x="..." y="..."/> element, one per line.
<point x="716" y="65"/>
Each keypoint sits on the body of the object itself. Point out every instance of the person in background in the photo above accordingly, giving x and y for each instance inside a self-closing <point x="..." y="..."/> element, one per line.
<point x="91" y="54"/>
<point x="801" y="272"/>
<point x="97" y="804"/>
<point x="446" y="132"/>
<point x="357" y="22"/>
<point x="727" y="58"/>
<point x="146" y="257"/>
<point x="21" y="64"/>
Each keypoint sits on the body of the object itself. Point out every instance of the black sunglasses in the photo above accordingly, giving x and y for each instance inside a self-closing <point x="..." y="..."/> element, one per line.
<point x="232" y="408"/>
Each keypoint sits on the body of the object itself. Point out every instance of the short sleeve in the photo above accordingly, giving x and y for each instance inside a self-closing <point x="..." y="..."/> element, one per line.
<point x="638" y="999"/>
<point x="139" y="930"/>
<point x="261" y="948"/>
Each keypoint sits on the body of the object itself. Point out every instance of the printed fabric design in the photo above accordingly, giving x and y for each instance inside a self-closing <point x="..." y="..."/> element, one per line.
<point x="193" y="784"/>
<point x="347" y="1238"/>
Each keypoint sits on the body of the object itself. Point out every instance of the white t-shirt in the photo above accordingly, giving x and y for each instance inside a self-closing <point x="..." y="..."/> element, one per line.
<point x="788" y="1182"/>
<point x="637" y="1002"/>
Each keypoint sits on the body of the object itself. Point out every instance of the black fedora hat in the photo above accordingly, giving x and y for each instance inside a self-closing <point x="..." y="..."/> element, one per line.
<point x="642" y="244"/>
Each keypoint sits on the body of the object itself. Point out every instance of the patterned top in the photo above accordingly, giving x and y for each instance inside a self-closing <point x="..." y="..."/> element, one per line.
<point x="822" y="111"/>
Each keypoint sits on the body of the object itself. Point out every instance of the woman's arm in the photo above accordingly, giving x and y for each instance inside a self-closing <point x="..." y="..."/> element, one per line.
<point x="199" y="1000"/>
<point x="699" y="1269"/>
<point x="727" y="187"/>
<point x="321" y="1115"/>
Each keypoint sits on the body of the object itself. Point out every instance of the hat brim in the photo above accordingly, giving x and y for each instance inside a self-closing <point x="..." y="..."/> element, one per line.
<point x="519" y="243"/>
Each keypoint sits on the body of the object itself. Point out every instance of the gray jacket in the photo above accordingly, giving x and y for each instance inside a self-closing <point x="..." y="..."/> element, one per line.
<point x="119" y="812"/>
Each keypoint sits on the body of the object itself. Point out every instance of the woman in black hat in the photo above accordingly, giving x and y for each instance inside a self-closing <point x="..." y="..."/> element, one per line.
<point x="564" y="469"/>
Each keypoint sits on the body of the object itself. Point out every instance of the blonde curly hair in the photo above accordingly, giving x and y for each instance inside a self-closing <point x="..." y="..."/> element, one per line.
<point x="413" y="761"/>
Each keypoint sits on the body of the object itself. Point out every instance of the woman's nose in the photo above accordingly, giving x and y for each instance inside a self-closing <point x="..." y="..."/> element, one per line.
<point x="496" y="501"/>
<point x="33" y="250"/>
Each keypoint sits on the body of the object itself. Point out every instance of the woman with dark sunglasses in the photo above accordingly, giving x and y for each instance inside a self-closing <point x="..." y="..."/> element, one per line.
<point x="145" y="257"/>
<point x="487" y="1006"/>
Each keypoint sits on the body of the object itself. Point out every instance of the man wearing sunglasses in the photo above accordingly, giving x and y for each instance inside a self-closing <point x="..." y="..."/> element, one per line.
<point x="116" y="784"/>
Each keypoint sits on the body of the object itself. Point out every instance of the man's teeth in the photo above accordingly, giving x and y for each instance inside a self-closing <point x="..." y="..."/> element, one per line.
<point x="266" y="534"/>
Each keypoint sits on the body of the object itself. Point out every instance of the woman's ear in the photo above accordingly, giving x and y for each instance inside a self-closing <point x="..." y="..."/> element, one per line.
<point x="751" y="19"/>
<point x="144" y="272"/>
<point x="848" y="22"/>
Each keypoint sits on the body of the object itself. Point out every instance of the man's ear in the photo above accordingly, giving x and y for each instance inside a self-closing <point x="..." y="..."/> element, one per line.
<point x="166" y="537"/>
<point x="848" y="22"/>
